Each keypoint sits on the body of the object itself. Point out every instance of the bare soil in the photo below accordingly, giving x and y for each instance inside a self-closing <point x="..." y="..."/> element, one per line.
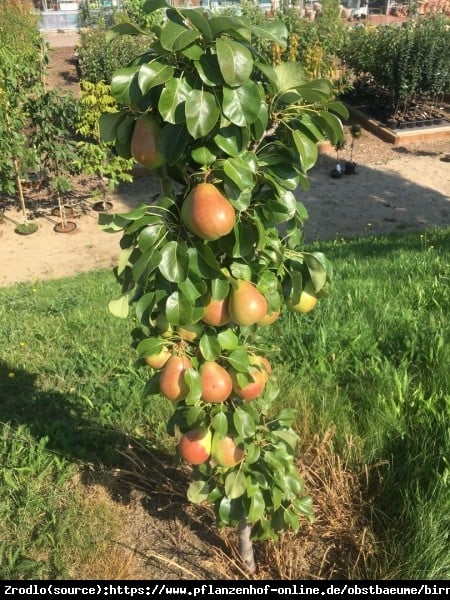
<point x="163" y="537"/>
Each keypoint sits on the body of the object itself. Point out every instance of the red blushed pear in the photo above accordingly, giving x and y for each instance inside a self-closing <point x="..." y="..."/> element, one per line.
<point x="263" y="363"/>
<point x="254" y="388"/>
<point x="195" y="446"/>
<point x="226" y="452"/>
<point x="246" y="304"/>
<point x="268" y="319"/>
<point x="216" y="313"/>
<point x="206" y="213"/>
<point x="215" y="383"/>
<point x="171" y="382"/>
<point x="144" y="142"/>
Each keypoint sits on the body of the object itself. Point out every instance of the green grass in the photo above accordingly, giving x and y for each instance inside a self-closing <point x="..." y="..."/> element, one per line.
<point x="373" y="362"/>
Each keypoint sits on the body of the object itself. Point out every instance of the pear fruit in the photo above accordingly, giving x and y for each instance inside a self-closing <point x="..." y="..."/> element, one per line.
<point x="216" y="313"/>
<point x="144" y="142"/>
<point x="215" y="382"/>
<point x="206" y="213"/>
<point x="171" y="383"/>
<point x="247" y="306"/>
<point x="307" y="302"/>
<point x="195" y="446"/>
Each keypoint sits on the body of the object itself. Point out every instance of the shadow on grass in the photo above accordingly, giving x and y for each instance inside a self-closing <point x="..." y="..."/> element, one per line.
<point x="119" y="462"/>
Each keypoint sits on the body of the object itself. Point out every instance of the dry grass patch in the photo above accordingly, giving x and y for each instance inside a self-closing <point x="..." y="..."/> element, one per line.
<point x="165" y="537"/>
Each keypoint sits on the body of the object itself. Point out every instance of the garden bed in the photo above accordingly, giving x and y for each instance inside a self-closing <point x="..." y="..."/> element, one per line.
<point x="379" y="123"/>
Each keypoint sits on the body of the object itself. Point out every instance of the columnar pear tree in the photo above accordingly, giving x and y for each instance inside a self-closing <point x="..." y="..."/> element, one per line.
<point x="217" y="254"/>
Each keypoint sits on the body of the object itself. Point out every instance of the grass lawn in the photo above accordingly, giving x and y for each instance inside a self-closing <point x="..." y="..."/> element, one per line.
<point x="371" y="364"/>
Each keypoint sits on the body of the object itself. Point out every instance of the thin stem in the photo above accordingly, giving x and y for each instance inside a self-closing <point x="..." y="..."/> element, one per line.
<point x="20" y="190"/>
<point x="246" y="545"/>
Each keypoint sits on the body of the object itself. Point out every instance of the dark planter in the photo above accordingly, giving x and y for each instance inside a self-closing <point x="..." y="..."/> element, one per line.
<point x="350" y="168"/>
<point x="102" y="206"/>
<point x="69" y="227"/>
<point x="392" y="123"/>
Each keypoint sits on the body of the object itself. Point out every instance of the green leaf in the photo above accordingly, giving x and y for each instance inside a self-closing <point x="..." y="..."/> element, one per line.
<point x="146" y="264"/>
<point x="203" y="156"/>
<point x="149" y="236"/>
<point x="289" y="75"/>
<point x="193" y="287"/>
<point x="241" y="105"/>
<point x="198" y="491"/>
<point x="207" y="67"/>
<point x="307" y="150"/>
<point x="174" y="37"/>
<point x="174" y="264"/>
<point x="172" y="100"/>
<point x="210" y="347"/>
<point x="178" y="309"/>
<point x="124" y="29"/>
<point x="198" y="21"/>
<point x="173" y="140"/>
<point x="149" y="346"/>
<point x="228" y="340"/>
<point x="151" y="5"/>
<point x="229" y="140"/>
<point x="252" y="455"/>
<point x="304" y="506"/>
<point x="340" y="109"/>
<point x="235" y="485"/>
<point x="274" y="31"/>
<point x="238" y="359"/>
<point x="121" y="84"/>
<point x="317" y="270"/>
<point x="257" y="506"/>
<point x="317" y="90"/>
<point x="240" y="172"/>
<point x="202" y="113"/>
<point x="153" y="74"/>
<point x="120" y="306"/>
<point x="192" y="380"/>
<point x="144" y="307"/>
<point x="219" y="288"/>
<point x="220" y="424"/>
<point x="244" y="424"/>
<point x="286" y="416"/>
<point x="291" y="520"/>
<point x="108" y="123"/>
<point x="235" y="61"/>
<point x="289" y="438"/>
<point x="331" y="125"/>
<point x="236" y="27"/>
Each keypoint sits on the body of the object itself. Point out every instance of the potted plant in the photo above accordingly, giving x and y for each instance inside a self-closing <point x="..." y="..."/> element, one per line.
<point x="350" y="165"/>
<point x="204" y="265"/>
<point x="96" y="154"/>
<point x="54" y="116"/>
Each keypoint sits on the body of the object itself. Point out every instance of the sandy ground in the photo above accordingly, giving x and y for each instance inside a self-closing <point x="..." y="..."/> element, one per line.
<point x="407" y="193"/>
<point x="394" y="189"/>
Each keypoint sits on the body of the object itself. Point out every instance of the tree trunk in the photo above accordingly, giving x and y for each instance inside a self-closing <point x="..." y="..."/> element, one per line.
<point x="246" y="545"/>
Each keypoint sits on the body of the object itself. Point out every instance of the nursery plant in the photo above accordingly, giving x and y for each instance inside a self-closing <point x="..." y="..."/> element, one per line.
<point x="18" y="157"/>
<point x="217" y="254"/>
<point x="96" y="156"/>
<point x="54" y="116"/>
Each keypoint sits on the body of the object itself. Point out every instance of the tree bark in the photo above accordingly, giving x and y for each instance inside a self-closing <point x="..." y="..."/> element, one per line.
<point x="246" y="546"/>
